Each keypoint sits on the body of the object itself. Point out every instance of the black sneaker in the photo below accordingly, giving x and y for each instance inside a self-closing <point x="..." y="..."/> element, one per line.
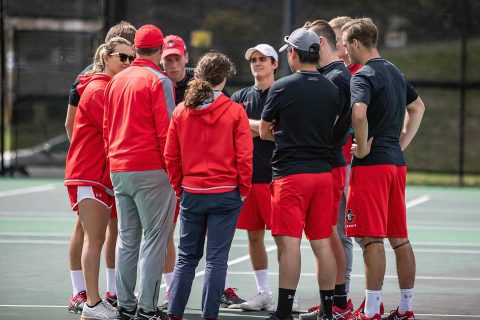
<point x="273" y="316"/>
<point x="230" y="299"/>
<point x="154" y="315"/>
<point x="124" y="314"/>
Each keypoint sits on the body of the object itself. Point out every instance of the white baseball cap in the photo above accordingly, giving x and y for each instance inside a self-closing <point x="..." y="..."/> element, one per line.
<point x="265" y="49"/>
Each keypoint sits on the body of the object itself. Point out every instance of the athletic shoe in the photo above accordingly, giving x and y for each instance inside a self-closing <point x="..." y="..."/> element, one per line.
<point x="124" y="314"/>
<point x="172" y="317"/>
<point x="273" y="316"/>
<point x="230" y="299"/>
<point x="394" y="315"/>
<point x="325" y="317"/>
<point x="77" y="302"/>
<point x="312" y="315"/>
<point x="359" y="315"/>
<point x="102" y="311"/>
<point x="111" y="298"/>
<point x="164" y="306"/>
<point x="261" y="301"/>
<point x="362" y="306"/>
<point x="341" y="314"/>
<point x="154" y="315"/>
<point x="296" y="305"/>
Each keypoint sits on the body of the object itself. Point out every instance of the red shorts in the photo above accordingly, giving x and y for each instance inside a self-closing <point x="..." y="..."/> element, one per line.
<point x="79" y="193"/>
<point x="339" y="176"/>
<point x="376" y="202"/>
<point x="257" y="208"/>
<point x="302" y="202"/>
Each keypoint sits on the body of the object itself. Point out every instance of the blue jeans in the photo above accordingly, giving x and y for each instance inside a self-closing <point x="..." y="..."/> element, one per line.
<point x="214" y="216"/>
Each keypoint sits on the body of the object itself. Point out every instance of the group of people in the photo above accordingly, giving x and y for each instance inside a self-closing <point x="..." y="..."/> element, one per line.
<point x="153" y="141"/>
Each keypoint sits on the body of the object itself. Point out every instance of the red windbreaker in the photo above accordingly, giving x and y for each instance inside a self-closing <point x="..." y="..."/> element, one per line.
<point x="137" y="105"/>
<point x="86" y="160"/>
<point x="209" y="150"/>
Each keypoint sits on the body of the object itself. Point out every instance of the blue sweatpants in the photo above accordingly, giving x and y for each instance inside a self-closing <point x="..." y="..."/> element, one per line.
<point x="214" y="216"/>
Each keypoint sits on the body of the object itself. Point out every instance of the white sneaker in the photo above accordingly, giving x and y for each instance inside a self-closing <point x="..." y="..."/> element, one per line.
<point x="296" y="305"/>
<point x="261" y="301"/>
<point x="102" y="311"/>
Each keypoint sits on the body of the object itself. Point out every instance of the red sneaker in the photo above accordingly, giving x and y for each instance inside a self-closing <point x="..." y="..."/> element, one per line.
<point x="77" y="302"/>
<point x="362" y="306"/>
<point x="359" y="315"/>
<point x="312" y="309"/>
<point x="111" y="299"/>
<point x="394" y="315"/>
<point x="343" y="314"/>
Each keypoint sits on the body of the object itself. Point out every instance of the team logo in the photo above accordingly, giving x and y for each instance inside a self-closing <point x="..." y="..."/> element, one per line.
<point x="349" y="215"/>
<point x="170" y="44"/>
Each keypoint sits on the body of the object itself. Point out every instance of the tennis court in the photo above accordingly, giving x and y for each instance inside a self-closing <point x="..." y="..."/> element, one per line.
<point x="36" y="222"/>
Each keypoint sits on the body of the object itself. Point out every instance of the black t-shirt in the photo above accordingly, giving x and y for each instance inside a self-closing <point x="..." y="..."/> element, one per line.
<point x="181" y="86"/>
<point x="382" y="87"/>
<point x="74" y="97"/>
<point x="338" y="73"/>
<point x="253" y="100"/>
<point x="304" y="105"/>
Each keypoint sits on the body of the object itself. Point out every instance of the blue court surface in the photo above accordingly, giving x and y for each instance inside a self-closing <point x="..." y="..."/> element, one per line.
<point x="444" y="224"/>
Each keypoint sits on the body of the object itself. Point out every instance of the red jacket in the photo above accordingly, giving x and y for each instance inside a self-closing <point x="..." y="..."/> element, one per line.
<point x="137" y="105"/>
<point x="86" y="160"/>
<point x="209" y="150"/>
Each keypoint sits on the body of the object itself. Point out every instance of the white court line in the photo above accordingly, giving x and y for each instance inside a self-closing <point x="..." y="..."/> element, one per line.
<point x="415" y="202"/>
<point x="227" y="314"/>
<point x="21" y="191"/>
<point x="232" y="262"/>
<point x="394" y="277"/>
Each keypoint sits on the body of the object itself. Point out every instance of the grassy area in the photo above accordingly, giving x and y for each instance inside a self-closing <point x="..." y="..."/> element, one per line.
<point x="441" y="179"/>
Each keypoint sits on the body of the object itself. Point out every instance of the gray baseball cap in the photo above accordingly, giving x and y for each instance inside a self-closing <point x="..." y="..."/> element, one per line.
<point x="302" y="39"/>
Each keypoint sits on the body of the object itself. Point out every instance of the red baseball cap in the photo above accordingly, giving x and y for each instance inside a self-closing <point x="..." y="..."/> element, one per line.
<point x="173" y="44"/>
<point x="148" y="36"/>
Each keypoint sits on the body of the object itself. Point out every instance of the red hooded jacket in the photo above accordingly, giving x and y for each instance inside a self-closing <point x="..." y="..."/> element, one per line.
<point x="138" y="101"/>
<point x="86" y="160"/>
<point x="209" y="149"/>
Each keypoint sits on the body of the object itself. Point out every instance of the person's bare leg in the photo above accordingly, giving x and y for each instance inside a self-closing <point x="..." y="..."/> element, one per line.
<point x="375" y="265"/>
<point x="94" y="217"/>
<point x="256" y="249"/>
<point x="75" y="257"/>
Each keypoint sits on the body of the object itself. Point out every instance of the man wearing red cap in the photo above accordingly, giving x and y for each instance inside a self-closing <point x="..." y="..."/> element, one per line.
<point x="174" y="61"/>
<point x="138" y="105"/>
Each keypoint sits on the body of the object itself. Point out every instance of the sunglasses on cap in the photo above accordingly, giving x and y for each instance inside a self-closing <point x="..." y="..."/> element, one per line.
<point x="123" y="56"/>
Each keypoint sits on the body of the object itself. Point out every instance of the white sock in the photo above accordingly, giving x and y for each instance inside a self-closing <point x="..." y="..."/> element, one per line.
<point x="372" y="302"/>
<point x="406" y="301"/>
<point x="168" y="278"/>
<point x="227" y="283"/>
<point x="111" y="286"/>
<point x="78" y="282"/>
<point x="261" y="277"/>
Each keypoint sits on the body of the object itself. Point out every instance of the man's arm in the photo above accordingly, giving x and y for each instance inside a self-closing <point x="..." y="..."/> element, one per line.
<point x="360" y="125"/>
<point x="413" y="118"/>
<point x="266" y="131"/>
<point x="71" y="111"/>
<point x="254" y="127"/>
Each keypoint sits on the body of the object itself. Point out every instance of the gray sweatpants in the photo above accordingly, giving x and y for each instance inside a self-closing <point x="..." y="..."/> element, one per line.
<point x="346" y="241"/>
<point x="145" y="201"/>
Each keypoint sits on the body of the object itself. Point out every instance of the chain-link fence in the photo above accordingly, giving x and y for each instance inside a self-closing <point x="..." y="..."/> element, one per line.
<point x="436" y="43"/>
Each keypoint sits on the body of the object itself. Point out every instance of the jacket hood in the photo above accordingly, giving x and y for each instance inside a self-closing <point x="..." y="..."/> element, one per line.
<point x="210" y="113"/>
<point x="84" y="80"/>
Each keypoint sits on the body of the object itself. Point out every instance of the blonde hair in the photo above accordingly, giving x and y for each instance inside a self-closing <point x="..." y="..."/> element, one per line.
<point x="338" y="22"/>
<point x="123" y="29"/>
<point x="105" y="49"/>
<point x="211" y="70"/>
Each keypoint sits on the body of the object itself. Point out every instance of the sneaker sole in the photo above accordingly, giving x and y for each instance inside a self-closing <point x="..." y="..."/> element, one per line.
<point x="234" y="306"/>
<point x="75" y="311"/>
<point x="248" y="308"/>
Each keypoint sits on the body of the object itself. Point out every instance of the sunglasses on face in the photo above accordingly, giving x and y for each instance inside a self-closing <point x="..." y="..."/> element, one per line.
<point x="123" y="57"/>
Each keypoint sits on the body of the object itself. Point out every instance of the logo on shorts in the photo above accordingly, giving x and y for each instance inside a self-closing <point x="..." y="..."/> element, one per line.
<point x="349" y="215"/>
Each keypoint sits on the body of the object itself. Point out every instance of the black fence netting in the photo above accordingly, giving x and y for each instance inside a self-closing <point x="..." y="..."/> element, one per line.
<point x="436" y="44"/>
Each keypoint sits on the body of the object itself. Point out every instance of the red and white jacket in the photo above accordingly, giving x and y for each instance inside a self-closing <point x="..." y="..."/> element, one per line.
<point x="138" y="102"/>
<point x="209" y="149"/>
<point x="86" y="160"/>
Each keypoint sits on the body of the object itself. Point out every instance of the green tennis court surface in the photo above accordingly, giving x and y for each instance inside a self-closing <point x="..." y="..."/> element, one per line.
<point x="36" y="222"/>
